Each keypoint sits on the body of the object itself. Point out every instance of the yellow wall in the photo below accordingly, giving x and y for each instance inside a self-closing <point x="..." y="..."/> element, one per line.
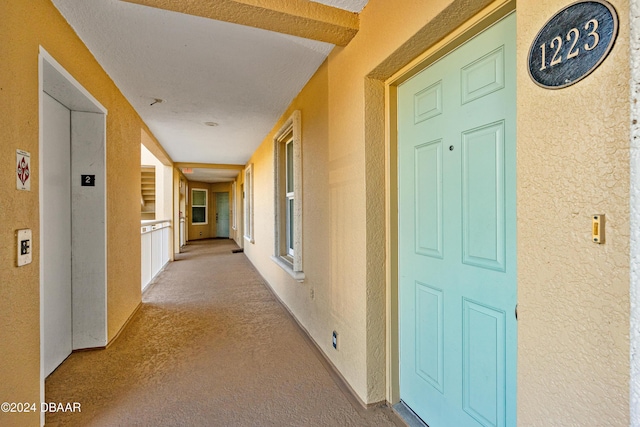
<point x="573" y="364"/>
<point x="333" y="234"/>
<point x="343" y="206"/>
<point x="26" y="25"/>
<point x="573" y="161"/>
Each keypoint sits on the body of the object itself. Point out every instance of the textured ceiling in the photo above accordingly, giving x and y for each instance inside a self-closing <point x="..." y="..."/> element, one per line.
<point x="211" y="175"/>
<point x="350" y="5"/>
<point x="239" y="77"/>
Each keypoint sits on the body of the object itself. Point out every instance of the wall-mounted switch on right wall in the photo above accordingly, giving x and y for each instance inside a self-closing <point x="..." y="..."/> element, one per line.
<point x="597" y="228"/>
<point x="24" y="242"/>
<point x="335" y="340"/>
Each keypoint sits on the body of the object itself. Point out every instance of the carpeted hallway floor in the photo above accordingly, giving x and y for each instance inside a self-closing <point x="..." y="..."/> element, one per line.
<point x="210" y="346"/>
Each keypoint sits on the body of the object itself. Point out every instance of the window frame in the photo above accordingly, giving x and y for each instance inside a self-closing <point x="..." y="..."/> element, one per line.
<point x="289" y="197"/>
<point x="205" y="206"/>
<point x="288" y="201"/>
<point x="248" y="203"/>
<point x="232" y="203"/>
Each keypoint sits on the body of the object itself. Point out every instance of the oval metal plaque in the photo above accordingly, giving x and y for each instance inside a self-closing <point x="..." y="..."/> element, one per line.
<point x="573" y="43"/>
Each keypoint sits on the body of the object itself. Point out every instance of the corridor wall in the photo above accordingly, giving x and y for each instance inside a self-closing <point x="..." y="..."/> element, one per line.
<point x="25" y="27"/>
<point x="573" y="161"/>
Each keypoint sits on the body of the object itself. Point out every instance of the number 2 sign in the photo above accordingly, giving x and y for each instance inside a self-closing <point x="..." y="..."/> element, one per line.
<point x="573" y="43"/>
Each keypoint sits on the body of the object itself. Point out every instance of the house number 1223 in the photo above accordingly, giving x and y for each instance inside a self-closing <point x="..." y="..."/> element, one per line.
<point x="573" y="36"/>
<point x="573" y="43"/>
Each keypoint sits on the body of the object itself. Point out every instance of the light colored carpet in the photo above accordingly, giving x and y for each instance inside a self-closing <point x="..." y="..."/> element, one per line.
<point x="211" y="346"/>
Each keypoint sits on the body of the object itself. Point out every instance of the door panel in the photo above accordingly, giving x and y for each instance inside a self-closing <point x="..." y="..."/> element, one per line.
<point x="428" y="176"/>
<point x="430" y="335"/>
<point x="428" y="102"/>
<point x="483" y="76"/>
<point x="484" y="363"/>
<point x="483" y="197"/>
<point x="222" y="214"/>
<point x="56" y="233"/>
<point x="457" y="270"/>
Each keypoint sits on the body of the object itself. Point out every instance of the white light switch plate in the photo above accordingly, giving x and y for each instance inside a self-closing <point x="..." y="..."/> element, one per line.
<point x="24" y="247"/>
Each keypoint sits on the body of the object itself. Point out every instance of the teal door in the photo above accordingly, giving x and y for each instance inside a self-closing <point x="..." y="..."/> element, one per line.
<point x="457" y="234"/>
<point x="222" y="214"/>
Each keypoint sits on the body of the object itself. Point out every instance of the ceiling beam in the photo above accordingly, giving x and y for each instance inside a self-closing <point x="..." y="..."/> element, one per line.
<point x="183" y="165"/>
<point x="302" y="18"/>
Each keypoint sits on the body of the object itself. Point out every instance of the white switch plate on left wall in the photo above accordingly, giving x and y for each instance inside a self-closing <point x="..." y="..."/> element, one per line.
<point x="24" y="244"/>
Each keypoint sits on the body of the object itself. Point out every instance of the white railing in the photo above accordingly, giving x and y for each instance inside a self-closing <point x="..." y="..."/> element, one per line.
<point x="183" y="232"/>
<point x="155" y="237"/>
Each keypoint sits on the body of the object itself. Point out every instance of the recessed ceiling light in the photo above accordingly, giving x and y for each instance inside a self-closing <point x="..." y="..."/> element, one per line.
<point x="212" y="124"/>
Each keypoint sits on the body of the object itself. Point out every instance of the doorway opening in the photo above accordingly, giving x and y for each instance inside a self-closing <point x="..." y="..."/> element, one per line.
<point x="222" y="215"/>
<point x="427" y="101"/>
<point x="73" y="248"/>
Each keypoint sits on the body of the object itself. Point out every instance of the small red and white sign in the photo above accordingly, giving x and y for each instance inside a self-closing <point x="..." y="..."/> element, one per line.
<point x="23" y="170"/>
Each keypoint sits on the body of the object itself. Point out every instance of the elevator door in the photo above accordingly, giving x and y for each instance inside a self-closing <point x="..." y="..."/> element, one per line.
<point x="56" y="233"/>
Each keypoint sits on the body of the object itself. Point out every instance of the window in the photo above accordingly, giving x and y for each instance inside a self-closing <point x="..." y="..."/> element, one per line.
<point x="288" y="197"/>
<point x="198" y="206"/>
<point x="248" y="203"/>
<point x="234" y="224"/>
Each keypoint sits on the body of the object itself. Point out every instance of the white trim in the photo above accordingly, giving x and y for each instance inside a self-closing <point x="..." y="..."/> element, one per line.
<point x="297" y="275"/>
<point x="248" y="204"/>
<point x="234" y="218"/>
<point x="292" y="263"/>
<point x="40" y="204"/>
<point x="46" y="56"/>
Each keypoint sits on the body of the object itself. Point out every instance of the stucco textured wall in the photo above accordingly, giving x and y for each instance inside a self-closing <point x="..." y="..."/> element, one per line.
<point x="343" y="180"/>
<point x="635" y="214"/>
<point x="573" y="158"/>
<point x="26" y="26"/>
<point x="573" y="161"/>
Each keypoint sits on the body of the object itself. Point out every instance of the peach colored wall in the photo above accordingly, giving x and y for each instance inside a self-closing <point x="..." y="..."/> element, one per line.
<point x="573" y="365"/>
<point x="26" y="26"/>
<point x="343" y="208"/>
<point x="572" y="162"/>
<point x="635" y="215"/>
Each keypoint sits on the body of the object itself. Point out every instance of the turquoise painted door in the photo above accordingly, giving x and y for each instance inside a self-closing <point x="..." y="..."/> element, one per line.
<point x="457" y="234"/>
<point x="222" y="214"/>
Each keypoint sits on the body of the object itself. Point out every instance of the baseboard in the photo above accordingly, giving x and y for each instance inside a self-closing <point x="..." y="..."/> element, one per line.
<point x="80" y="350"/>
<point x="153" y="279"/>
<point x="335" y="374"/>
<point x="124" y="326"/>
